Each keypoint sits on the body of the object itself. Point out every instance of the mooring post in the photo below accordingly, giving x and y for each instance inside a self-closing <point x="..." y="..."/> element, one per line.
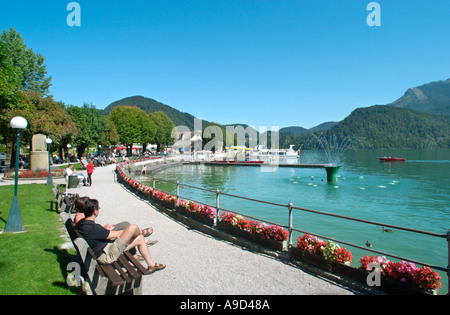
<point x="178" y="193"/>
<point x="217" y="207"/>
<point x="290" y="226"/>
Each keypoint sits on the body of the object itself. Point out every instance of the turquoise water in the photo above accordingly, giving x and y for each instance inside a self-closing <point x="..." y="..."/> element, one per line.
<point x="413" y="194"/>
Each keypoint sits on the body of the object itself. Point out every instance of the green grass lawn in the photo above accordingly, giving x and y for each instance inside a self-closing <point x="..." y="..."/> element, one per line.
<point x="33" y="262"/>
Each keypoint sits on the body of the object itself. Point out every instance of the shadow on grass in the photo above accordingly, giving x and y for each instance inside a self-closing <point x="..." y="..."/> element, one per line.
<point x="64" y="258"/>
<point x="53" y="206"/>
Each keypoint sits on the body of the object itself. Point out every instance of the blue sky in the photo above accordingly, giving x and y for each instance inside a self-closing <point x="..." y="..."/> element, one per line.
<point x="261" y="62"/>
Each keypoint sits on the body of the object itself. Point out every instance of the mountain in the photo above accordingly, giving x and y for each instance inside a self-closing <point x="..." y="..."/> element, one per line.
<point x="383" y="126"/>
<point x="323" y="126"/>
<point x="431" y="98"/>
<point x="300" y="130"/>
<point x="419" y="119"/>
<point x="294" y="130"/>
<point x="150" y="105"/>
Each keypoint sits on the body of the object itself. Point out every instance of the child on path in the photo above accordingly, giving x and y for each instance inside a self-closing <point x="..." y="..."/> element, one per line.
<point x="90" y="170"/>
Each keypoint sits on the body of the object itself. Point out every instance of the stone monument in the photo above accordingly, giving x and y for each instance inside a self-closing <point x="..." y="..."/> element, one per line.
<point x="39" y="153"/>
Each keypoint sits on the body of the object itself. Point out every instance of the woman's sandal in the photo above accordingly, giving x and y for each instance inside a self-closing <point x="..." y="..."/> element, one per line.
<point x="156" y="267"/>
<point x="147" y="232"/>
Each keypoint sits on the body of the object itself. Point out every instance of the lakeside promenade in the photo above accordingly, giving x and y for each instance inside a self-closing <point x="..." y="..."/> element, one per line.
<point x="197" y="263"/>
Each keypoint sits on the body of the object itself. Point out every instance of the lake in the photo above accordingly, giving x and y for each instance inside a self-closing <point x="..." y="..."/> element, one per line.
<point x="413" y="194"/>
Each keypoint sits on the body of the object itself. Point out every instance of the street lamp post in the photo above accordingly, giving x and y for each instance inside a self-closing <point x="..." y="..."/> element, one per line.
<point x="49" y="178"/>
<point x="68" y="153"/>
<point x="14" y="222"/>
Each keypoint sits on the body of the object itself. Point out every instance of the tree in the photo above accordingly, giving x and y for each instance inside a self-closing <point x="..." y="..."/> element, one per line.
<point x="20" y="70"/>
<point x="30" y="66"/>
<point x="44" y="116"/>
<point x="10" y="94"/>
<point x="133" y="126"/>
<point x="49" y="117"/>
<point x="214" y="137"/>
<point x="9" y="80"/>
<point x="111" y="134"/>
<point x="91" y="126"/>
<point x="164" y="126"/>
<point x="23" y="86"/>
<point x="7" y="111"/>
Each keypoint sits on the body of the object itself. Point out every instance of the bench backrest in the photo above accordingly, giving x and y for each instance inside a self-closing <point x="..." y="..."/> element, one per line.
<point x="68" y="223"/>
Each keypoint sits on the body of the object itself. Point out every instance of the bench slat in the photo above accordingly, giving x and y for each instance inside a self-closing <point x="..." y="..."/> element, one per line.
<point x="112" y="275"/>
<point x="123" y="274"/>
<point x="138" y="265"/>
<point x="130" y="268"/>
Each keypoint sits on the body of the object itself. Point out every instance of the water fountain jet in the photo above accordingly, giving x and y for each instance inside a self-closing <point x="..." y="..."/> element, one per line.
<point x="334" y="152"/>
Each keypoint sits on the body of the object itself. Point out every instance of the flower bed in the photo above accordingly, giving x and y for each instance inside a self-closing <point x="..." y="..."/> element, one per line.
<point x="407" y="273"/>
<point x="326" y="255"/>
<point x="329" y="250"/>
<point x="199" y="212"/>
<point x="270" y="236"/>
<point x="397" y="278"/>
<point x="163" y="199"/>
<point x="34" y="174"/>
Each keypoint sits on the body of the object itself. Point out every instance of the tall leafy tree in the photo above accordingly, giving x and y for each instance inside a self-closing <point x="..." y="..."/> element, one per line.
<point x="133" y="125"/>
<point x="44" y="115"/>
<point x="20" y="108"/>
<point x="10" y="80"/>
<point x="21" y="71"/>
<point x="164" y="126"/>
<point x="49" y="117"/>
<point x="10" y="94"/>
<point x="111" y="134"/>
<point x="29" y="65"/>
<point x="91" y="126"/>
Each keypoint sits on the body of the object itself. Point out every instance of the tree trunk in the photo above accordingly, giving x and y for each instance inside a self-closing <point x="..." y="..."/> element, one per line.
<point x="81" y="149"/>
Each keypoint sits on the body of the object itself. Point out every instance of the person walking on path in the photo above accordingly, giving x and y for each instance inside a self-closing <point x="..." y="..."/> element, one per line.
<point x="90" y="170"/>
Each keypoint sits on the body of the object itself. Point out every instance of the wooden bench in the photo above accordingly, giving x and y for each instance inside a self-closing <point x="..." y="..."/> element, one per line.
<point x="124" y="275"/>
<point x="65" y="202"/>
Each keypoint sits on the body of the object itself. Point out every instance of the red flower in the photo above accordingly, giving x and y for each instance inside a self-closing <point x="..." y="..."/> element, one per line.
<point x="342" y="255"/>
<point x="311" y="244"/>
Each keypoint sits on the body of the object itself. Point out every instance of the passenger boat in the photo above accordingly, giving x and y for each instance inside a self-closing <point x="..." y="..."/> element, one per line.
<point x="392" y="159"/>
<point x="290" y="153"/>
